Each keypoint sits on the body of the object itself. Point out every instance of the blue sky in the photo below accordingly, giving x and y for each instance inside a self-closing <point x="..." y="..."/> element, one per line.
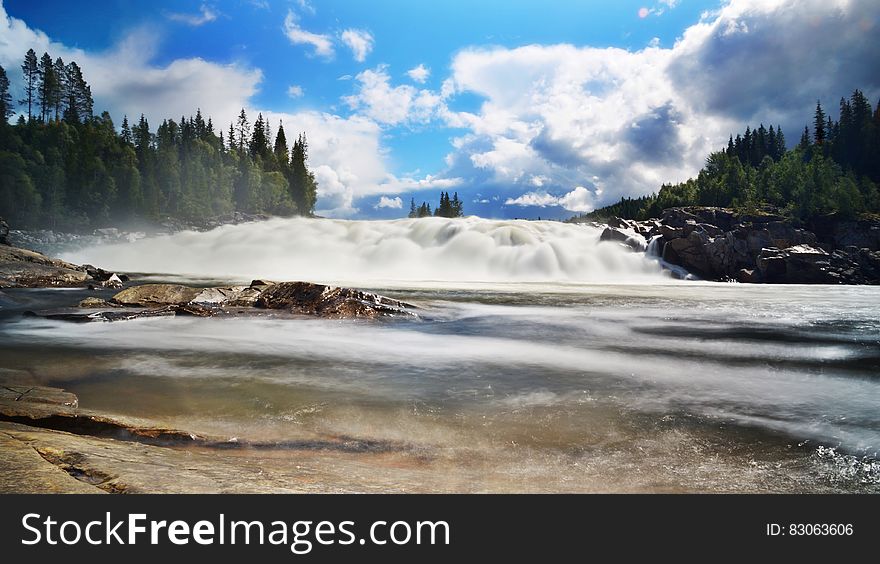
<point x="525" y="108"/>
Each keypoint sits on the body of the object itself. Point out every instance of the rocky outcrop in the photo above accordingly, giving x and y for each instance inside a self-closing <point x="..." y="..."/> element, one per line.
<point x="4" y="232"/>
<point x="294" y="298"/>
<point x="21" y="268"/>
<point x="721" y="244"/>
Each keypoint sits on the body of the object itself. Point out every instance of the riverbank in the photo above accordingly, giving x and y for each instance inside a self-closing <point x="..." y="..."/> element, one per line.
<point x="721" y="244"/>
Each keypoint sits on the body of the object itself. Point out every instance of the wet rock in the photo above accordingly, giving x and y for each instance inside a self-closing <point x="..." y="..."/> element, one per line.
<point x="233" y="296"/>
<point x="114" y="282"/>
<point x="4" y="232"/>
<point x="96" y="303"/>
<point x="329" y="301"/>
<point x="21" y="268"/>
<point x="627" y="236"/>
<point x="153" y="295"/>
<point x="748" y="276"/>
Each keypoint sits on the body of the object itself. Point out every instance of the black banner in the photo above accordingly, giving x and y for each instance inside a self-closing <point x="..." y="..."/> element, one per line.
<point x="424" y="527"/>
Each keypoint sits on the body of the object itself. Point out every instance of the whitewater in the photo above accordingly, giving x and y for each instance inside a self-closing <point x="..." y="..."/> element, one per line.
<point x="395" y="252"/>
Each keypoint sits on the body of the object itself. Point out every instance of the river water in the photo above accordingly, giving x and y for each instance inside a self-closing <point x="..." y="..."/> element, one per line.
<point x="543" y="360"/>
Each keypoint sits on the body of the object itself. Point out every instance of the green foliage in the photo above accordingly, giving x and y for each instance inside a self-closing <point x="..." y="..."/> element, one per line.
<point x="834" y="173"/>
<point x="67" y="169"/>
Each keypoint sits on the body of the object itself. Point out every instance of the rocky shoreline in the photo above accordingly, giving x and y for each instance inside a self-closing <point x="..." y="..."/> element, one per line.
<point x="721" y="244"/>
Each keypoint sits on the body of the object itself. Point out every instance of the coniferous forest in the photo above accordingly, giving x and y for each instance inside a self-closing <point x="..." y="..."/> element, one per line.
<point x="834" y="169"/>
<point x="65" y="168"/>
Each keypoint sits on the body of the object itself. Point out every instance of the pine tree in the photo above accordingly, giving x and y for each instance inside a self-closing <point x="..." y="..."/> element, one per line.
<point x="60" y="71"/>
<point x="780" y="141"/>
<point x="243" y="130"/>
<point x="48" y="87"/>
<point x="457" y="206"/>
<point x="6" y="109"/>
<point x="819" y="125"/>
<point x="413" y="212"/>
<point x="31" y="72"/>
<point x="126" y="131"/>
<point x="281" y="149"/>
<point x="231" y="138"/>
<point x="805" y="139"/>
<point x="259" y="144"/>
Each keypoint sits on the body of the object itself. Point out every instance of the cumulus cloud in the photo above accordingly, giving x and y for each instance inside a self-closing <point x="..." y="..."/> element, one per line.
<point x="359" y="41"/>
<point x="578" y="200"/>
<point x="419" y="74"/>
<point x="206" y="14"/>
<point x="322" y="44"/>
<point x="391" y="105"/>
<point x="125" y="80"/>
<point x="295" y="91"/>
<point x="392" y="203"/>
<point x="620" y="123"/>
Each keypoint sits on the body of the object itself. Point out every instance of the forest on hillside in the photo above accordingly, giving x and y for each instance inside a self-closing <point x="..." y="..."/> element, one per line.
<point x="65" y="168"/>
<point x="834" y="169"/>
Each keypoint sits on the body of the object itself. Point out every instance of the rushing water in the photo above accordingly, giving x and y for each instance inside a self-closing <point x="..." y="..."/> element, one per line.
<point x="530" y="370"/>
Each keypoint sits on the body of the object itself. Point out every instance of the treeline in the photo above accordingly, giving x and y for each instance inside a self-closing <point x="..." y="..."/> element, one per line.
<point x="834" y="169"/>
<point x="449" y="207"/>
<point x="63" y="167"/>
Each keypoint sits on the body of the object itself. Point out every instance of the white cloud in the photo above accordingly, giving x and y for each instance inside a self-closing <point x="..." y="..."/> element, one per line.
<point x="295" y="91"/>
<point x="322" y="44"/>
<point x="306" y="6"/>
<point x="359" y="41"/>
<point x="419" y="74"/>
<point x="541" y="199"/>
<point x="206" y="14"/>
<point x="392" y="203"/>
<point x="391" y="105"/>
<point x="124" y="80"/>
<point x="578" y="200"/>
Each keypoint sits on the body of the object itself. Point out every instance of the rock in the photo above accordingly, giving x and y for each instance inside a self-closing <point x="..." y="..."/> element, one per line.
<point x="113" y="282"/>
<point x="95" y="303"/>
<point x="152" y="295"/>
<point x="627" y="236"/>
<point x="329" y="301"/>
<point x="20" y="268"/>
<point x="747" y="276"/>
<point x="4" y="232"/>
<point x="233" y="296"/>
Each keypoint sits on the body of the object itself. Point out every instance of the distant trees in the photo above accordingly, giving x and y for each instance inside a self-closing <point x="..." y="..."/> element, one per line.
<point x="837" y="170"/>
<point x="449" y="207"/>
<point x="63" y="167"/>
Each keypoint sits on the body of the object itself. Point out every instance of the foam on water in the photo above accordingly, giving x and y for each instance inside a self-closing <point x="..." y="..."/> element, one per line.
<point x="406" y="250"/>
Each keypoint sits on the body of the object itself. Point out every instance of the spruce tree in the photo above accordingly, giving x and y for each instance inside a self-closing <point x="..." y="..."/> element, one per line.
<point x="126" y="131"/>
<point x="31" y="71"/>
<point x="819" y="125"/>
<point x="6" y="109"/>
<point x="243" y="130"/>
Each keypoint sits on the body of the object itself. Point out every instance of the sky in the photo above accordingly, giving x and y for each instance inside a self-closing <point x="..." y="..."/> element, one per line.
<point x="524" y="108"/>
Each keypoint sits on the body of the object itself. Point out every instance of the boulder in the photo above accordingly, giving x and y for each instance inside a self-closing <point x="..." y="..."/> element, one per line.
<point x="329" y="301"/>
<point x="152" y="295"/>
<point x="627" y="236"/>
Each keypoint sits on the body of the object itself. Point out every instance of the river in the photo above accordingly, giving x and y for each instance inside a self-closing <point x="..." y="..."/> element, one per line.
<point x="543" y="361"/>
